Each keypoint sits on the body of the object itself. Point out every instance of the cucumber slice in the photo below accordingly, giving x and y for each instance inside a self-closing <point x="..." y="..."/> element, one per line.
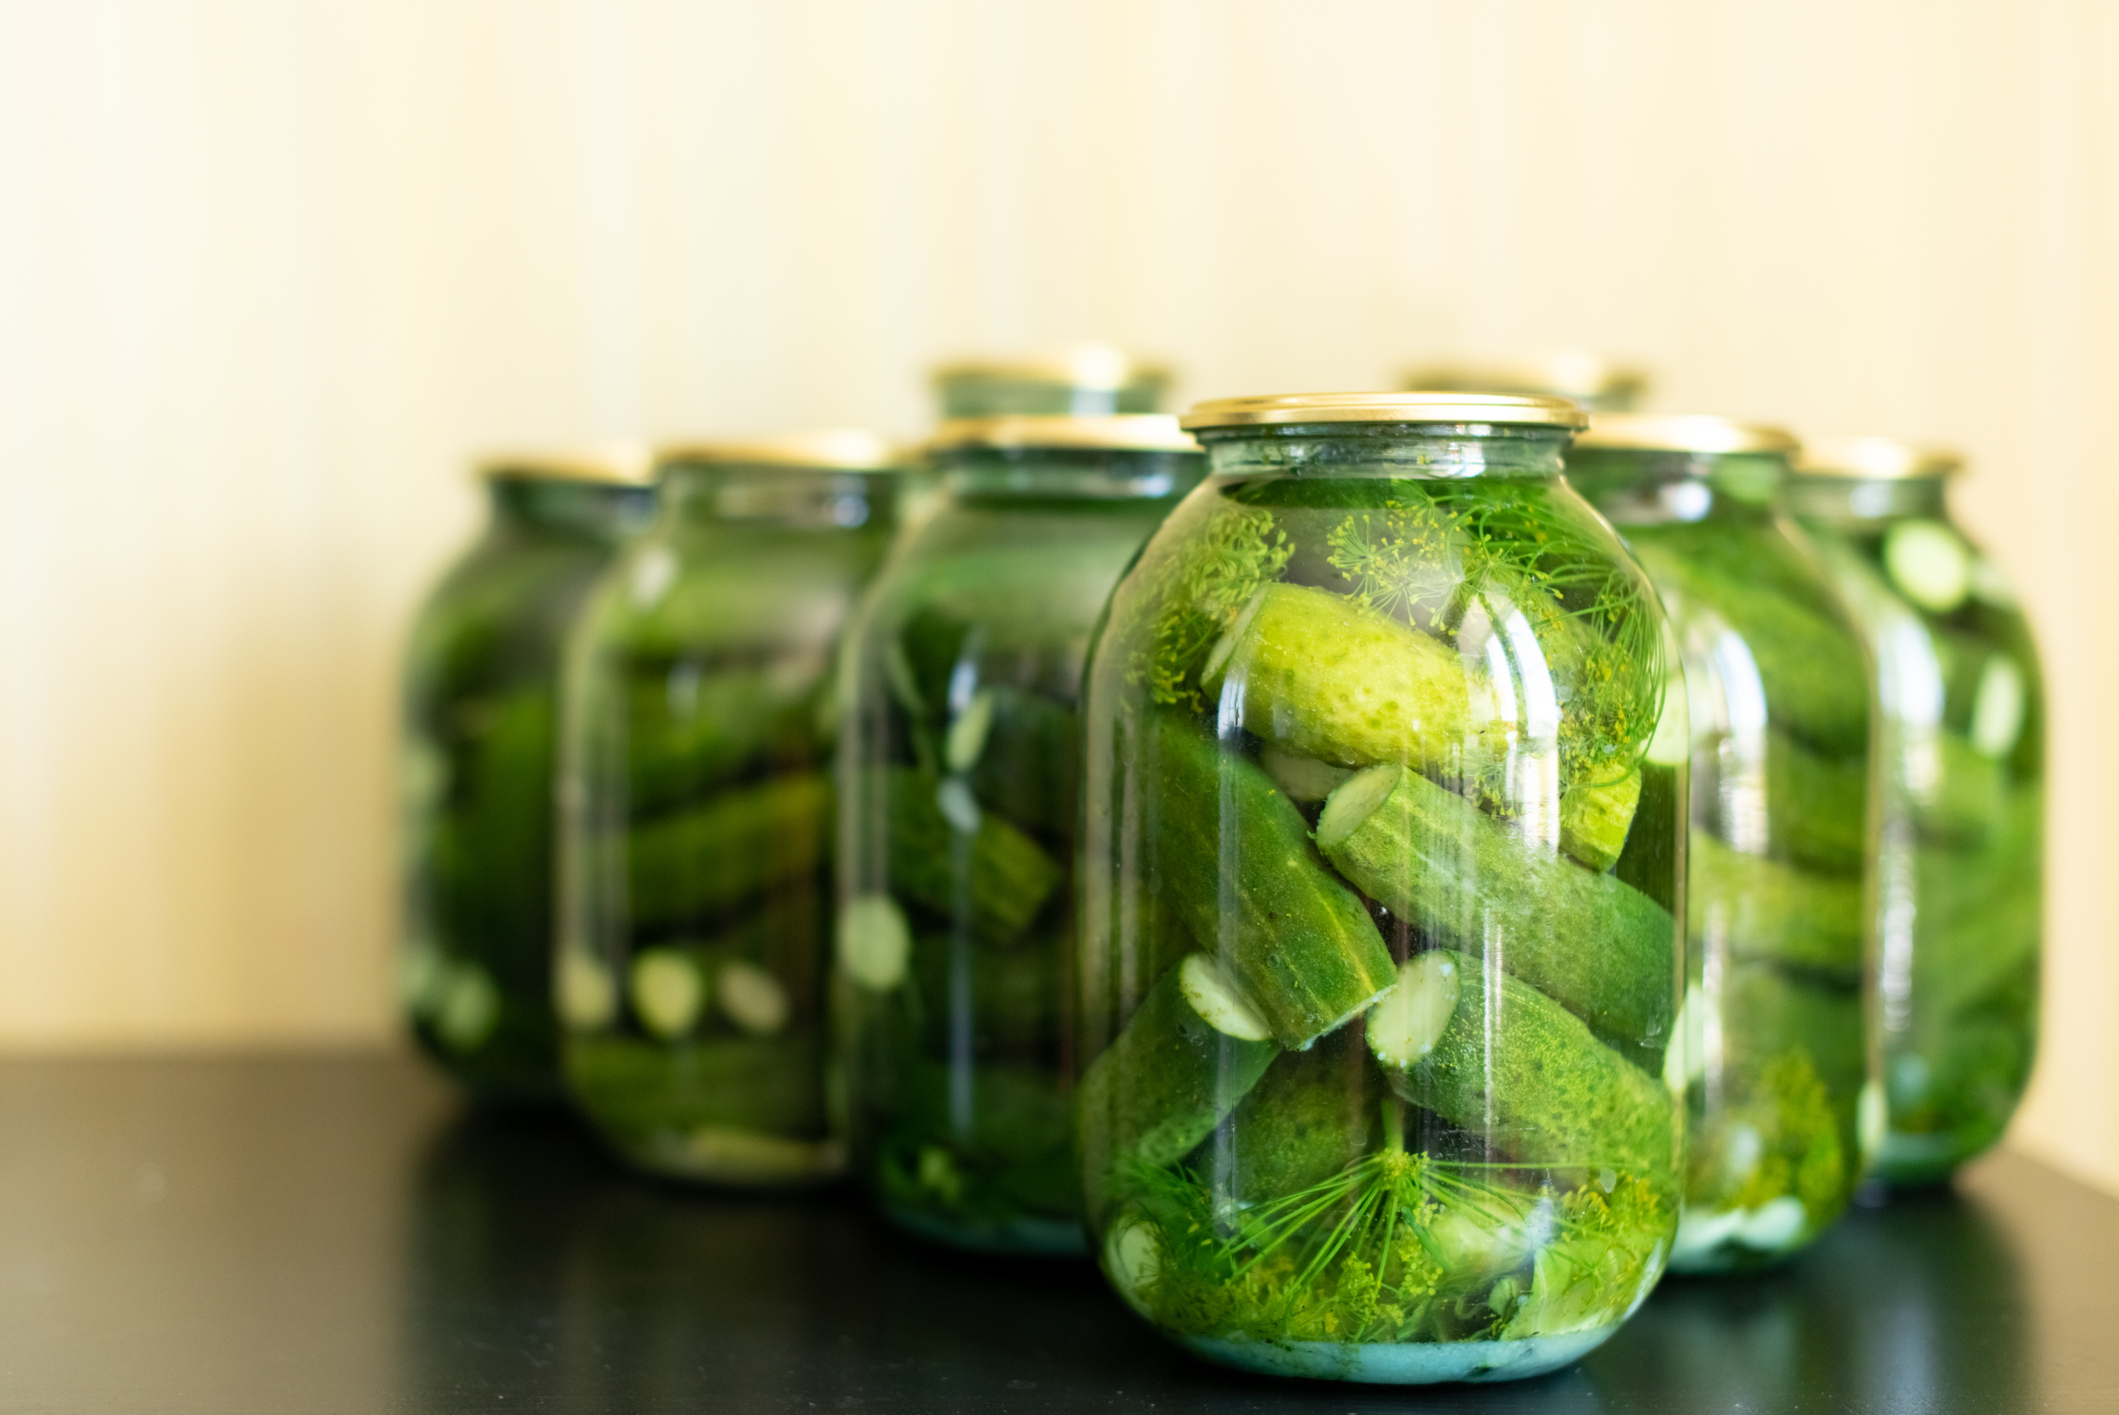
<point x="1998" y="708"/>
<point x="588" y="999"/>
<point x="875" y="942"/>
<point x="1598" y="945"/>
<point x="949" y="856"/>
<point x="1929" y="563"/>
<point x="470" y="1008"/>
<point x="752" y="998"/>
<point x="1594" y="820"/>
<point x="1405" y="1026"/>
<point x="1324" y="677"/>
<point x="726" y="851"/>
<point x="1160" y="1088"/>
<point x="1234" y="858"/>
<point x="1305" y="779"/>
<point x="1223" y="1008"/>
<point x="1517" y="1067"/>
<point x="966" y="738"/>
<point x="667" y="992"/>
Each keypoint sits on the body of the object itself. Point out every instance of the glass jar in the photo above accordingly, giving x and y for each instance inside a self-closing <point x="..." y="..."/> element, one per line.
<point x="696" y="809"/>
<point x="481" y="676"/>
<point x="959" y="781"/>
<point x="1598" y="383"/>
<point x="1084" y="380"/>
<point x="1378" y="960"/>
<point x="1962" y="744"/>
<point x="1777" y="918"/>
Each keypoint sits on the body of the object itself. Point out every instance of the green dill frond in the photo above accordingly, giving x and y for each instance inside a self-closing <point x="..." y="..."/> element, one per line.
<point x="1196" y="593"/>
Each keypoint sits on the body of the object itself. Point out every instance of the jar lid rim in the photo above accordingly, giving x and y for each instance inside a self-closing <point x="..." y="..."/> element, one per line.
<point x="1705" y="433"/>
<point x="835" y="449"/>
<point x="621" y="462"/>
<point x="1117" y="432"/>
<point x="1090" y="364"/>
<point x="1876" y="459"/>
<point x="1523" y="410"/>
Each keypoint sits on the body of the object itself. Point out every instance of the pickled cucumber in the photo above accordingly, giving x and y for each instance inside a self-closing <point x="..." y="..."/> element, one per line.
<point x="1322" y="676"/>
<point x="1167" y="1080"/>
<point x="1295" y="939"/>
<point x="975" y="863"/>
<point x="1312" y="1114"/>
<point x="1594" y="820"/>
<point x="1514" y="1064"/>
<point x="1759" y="908"/>
<point x="727" y="851"/>
<point x="1819" y="814"/>
<point x="1597" y="945"/>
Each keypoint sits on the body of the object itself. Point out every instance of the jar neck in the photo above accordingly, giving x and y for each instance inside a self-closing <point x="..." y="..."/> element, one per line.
<point x="1068" y="473"/>
<point x="1396" y="450"/>
<point x="1854" y="501"/>
<point x="815" y="499"/>
<point x="1650" y="487"/>
<point x="975" y="396"/>
<point x="597" y="511"/>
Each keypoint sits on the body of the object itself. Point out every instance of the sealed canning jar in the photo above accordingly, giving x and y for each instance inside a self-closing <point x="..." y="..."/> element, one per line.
<point x="959" y="792"/>
<point x="1086" y="380"/>
<point x="1777" y="920"/>
<point x="480" y="685"/>
<point x="696" y="809"/>
<point x="1378" y="962"/>
<point x="1962" y="744"/>
<point x="1598" y="383"/>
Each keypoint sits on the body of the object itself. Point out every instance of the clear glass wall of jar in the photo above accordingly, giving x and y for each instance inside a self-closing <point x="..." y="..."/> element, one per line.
<point x="1082" y="380"/>
<point x="1778" y="918"/>
<point x="1963" y="752"/>
<point x="959" y="788"/>
<point x="1597" y="382"/>
<point x="1379" y="966"/>
<point x="481" y="682"/>
<point x="696" y="809"/>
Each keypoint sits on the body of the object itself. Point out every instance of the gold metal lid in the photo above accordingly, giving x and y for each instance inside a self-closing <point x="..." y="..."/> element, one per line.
<point x="1091" y="364"/>
<point x="1684" y="432"/>
<point x="1568" y="373"/>
<point x="836" y="449"/>
<point x="1876" y="459"/>
<point x="1128" y="432"/>
<point x="1445" y="407"/>
<point x="616" y="463"/>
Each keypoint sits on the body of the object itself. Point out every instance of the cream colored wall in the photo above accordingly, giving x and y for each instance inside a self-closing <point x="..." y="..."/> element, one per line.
<point x="268" y="271"/>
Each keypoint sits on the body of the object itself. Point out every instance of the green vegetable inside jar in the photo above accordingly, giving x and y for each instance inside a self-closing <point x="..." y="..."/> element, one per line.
<point x="959" y="786"/>
<point x="1082" y="380"/>
<point x="1777" y="918"/>
<point x="696" y="808"/>
<point x="1962" y="745"/>
<point x="1378" y="969"/>
<point x="481" y="679"/>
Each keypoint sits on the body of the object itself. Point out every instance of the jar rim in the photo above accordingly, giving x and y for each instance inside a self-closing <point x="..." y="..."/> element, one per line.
<point x="1704" y="433"/>
<point x="617" y="463"/>
<point x="1117" y="432"/>
<point x="1876" y="459"/>
<point x="1570" y="372"/>
<point x="1507" y="409"/>
<point x="834" y="449"/>
<point x="1090" y="364"/>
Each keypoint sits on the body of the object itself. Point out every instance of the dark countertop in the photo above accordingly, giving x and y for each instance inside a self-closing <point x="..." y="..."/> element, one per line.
<point x="338" y="1234"/>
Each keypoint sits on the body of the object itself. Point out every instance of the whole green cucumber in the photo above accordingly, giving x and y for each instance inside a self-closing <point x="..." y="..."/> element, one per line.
<point x="1759" y="908"/>
<point x="1325" y="677"/>
<point x="958" y="860"/>
<point x="1191" y="1052"/>
<point x="688" y="734"/>
<point x="1234" y="858"/>
<point x="1491" y="1054"/>
<point x="1311" y="1115"/>
<point x="1596" y="944"/>
<point x="724" y="852"/>
<point x="1818" y="806"/>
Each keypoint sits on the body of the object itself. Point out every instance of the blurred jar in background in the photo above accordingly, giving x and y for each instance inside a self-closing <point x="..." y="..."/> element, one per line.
<point x="696" y="808"/>
<point x="958" y="782"/>
<point x="1778" y="926"/>
<point x="1598" y="383"/>
<point x="1085" y="380"/>
<point x="481" y="680"/>
<point x="1960" y="868"/>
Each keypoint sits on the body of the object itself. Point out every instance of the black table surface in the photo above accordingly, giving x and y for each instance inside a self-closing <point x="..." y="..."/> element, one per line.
<point x="340" y="1234"/>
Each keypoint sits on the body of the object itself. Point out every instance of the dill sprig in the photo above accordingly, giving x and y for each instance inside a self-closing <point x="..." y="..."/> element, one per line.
<point x="1195" y="594"/>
